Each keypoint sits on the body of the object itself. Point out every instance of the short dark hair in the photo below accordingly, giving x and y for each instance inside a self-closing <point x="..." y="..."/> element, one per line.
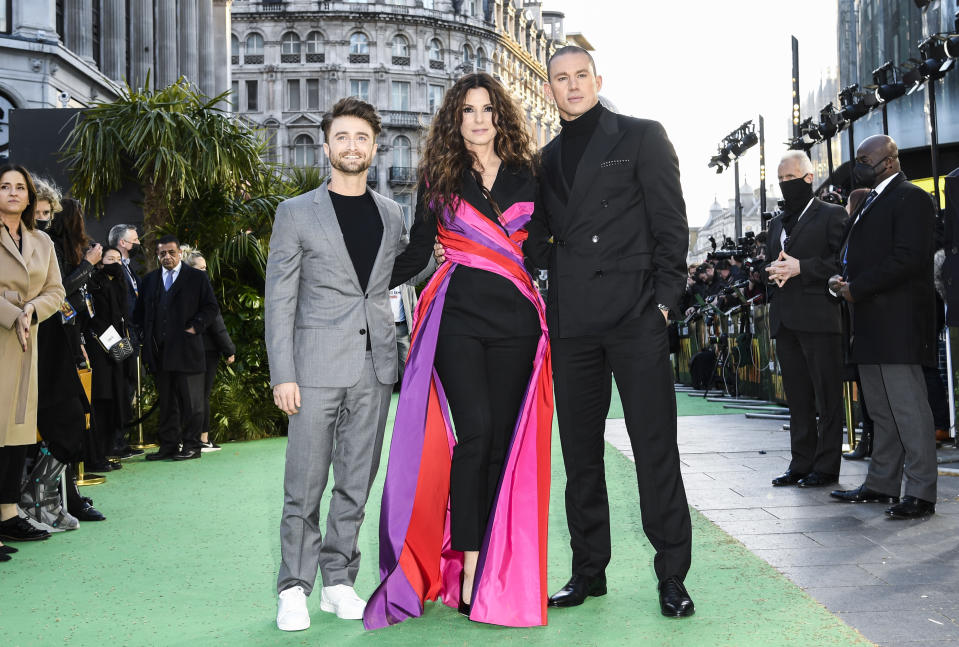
<point x="570" y="49"/>
<point x="351" y="107"/>
<point x="723" y="264"/>
<point x="166" y="240"/>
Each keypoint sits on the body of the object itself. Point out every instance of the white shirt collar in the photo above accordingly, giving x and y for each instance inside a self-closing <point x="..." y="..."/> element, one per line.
<point x="175" y="271"/>
<point x="882" y="185"/>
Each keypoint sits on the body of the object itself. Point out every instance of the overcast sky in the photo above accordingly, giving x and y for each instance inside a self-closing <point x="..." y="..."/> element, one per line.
<point x="703" y="67"/>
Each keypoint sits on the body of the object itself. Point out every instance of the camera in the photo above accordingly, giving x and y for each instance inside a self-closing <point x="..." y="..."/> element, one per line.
<point x="741" y="249"/>
<point x="64" y="99"/>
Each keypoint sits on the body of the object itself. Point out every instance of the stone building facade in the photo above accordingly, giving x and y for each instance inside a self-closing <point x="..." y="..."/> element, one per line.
<point x="292" y="59"/>
<point x="721" y="223"/>
<point x="70" y="53"/>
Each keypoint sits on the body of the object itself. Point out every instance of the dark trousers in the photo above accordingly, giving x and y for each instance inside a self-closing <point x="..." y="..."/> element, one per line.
<point x="637" y="353"/>
<point x="209" y="376"/>
<point x="180" y="399"/>
<point x="485" y="380"/>
<point x="12" y="459"/>
<point x="812" y="378"/>
<point x="938" y="401"/>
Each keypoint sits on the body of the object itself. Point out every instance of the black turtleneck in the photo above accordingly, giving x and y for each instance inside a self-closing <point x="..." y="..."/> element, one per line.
<point x="576" y="134"/>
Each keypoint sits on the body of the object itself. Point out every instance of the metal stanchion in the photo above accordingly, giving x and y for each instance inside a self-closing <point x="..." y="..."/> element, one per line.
<point x="141" y="443"/>
<point x="88" y="479"/>
<point x="86" y="379"/>
<point x="850" y="431"/>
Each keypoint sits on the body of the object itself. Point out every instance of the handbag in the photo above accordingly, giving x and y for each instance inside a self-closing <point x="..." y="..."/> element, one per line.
<point x="120" y="350"/>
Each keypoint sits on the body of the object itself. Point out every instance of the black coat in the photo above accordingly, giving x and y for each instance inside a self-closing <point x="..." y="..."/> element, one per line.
<point x="620" y="240"/>
<point x="889" y="269"/>
<point x="216" y="339"/>
<point x="803" y="303"/>
<point x="191" y="304"/>
<point x="110" y="306"/>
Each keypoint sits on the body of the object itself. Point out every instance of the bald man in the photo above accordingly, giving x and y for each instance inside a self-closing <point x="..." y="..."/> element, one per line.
<point x="887" y="279"/>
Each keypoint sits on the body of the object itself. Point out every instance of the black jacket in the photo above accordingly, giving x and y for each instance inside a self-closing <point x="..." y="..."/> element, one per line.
<point x="110" y="307"/>
<point x="192" y="304"/>
<point x="803" y="303"/>
<point x="216" y="339"/>
<point x="620" y="240"/>
<point x="889" y="269"/>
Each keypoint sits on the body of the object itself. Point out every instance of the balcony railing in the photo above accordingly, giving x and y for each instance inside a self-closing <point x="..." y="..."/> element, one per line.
<point x="290" y="58"/>
<point x="437" y="65"/>
<point x="315" y="57"/>
<point x="401" y="60"/>
<point x="405" y="118"/>
<point x="371" y="177"/>
<point x="359" y="58"/>
<point x="402" y="175"/>
<point x="253" y="59"/>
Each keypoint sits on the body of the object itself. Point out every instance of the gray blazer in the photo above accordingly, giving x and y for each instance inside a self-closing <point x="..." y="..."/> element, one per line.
<point x="317" y="317"/>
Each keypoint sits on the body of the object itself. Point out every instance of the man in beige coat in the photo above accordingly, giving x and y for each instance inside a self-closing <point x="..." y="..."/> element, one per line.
<point x="30" y="289"/>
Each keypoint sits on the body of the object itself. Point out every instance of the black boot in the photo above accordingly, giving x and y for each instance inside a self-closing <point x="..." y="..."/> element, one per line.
<point x="863" y="448"/>
<point x="79" y="506"/>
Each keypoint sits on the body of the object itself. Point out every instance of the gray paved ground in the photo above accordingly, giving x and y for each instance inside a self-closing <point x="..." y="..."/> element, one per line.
<point x="897" y="582"/>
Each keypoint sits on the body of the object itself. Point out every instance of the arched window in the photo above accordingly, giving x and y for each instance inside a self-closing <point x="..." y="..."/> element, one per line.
<point x="314" y="43"/>
<point x="290" y="44"/>
<point x="359" y="44"/>
<point x="304" y="152"/>
<point x="481" y="62"/>
<point x="235" y="48"/>
<point x="254" y="45"/>
<point x="401" y="46"/>
<point x="402" y="152"/>
<point x="467" y="54"/>
<point x="436" y="50"/>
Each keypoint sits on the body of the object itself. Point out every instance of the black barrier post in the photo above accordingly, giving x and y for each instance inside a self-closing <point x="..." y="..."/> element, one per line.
<point x="934" y="141"/>
<point x="762" y="171"/>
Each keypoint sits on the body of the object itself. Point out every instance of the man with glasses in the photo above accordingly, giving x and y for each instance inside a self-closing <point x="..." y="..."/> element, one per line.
<point x="176" y="306"/>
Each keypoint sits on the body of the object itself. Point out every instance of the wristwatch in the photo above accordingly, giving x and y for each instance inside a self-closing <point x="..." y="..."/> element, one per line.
<point x="663" y="308"/>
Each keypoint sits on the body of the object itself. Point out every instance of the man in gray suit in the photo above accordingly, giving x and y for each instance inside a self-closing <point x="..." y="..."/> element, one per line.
<point x="332" y="348"/>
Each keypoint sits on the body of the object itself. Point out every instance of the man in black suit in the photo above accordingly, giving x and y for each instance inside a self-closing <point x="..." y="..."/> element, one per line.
<point x="175" y="307"/>
<point x="887" y="278"/>
<point x="807" y="323"/>
<point x="613" y="210"/>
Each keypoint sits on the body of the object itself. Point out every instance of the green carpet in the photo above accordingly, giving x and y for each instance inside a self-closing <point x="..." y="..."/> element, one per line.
<point x="189" y="554"/>
<point x="685" y="406"/>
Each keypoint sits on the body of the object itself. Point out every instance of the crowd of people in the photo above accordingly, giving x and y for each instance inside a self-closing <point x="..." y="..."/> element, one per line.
<point x="70" y="304"/>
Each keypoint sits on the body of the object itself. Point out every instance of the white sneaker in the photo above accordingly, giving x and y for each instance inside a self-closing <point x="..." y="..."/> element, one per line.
<point x="343" y="601"/>
<point x="291" y="614"/>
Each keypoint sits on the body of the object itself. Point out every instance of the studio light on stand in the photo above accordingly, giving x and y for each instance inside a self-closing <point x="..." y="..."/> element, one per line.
<point x="729" y="151"/>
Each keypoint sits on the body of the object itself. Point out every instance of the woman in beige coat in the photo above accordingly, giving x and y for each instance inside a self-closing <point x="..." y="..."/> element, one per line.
<point x="30" y="291"/>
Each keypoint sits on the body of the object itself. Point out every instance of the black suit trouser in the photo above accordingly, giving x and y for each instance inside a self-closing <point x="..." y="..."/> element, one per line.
<point x="181" y="409"/>
<point x="811" y="364"/>
<point x="636" y="353"/>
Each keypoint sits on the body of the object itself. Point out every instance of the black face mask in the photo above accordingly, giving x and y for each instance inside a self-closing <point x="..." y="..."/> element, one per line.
<point x="136" y="250"/>
<point x="864" y="175"/>
<point x="796" y="194"/>
<point x="113" y="269"/>
<point x="44" y="225"/>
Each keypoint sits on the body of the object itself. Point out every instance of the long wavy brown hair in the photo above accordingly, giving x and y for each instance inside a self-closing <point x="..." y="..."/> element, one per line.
<point x="446" y="157"/>
<point x="74" y="235"/>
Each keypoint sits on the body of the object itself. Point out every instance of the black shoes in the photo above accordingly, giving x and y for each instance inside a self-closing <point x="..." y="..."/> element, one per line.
<point x="862" y="494"/>
<point x="815" y="479"/>
<point x="863" y="449"/>
<point x="674" y="601"/>
<point x="209" y="446"/>
<point x="86" y="512"/>
<point x="98" y="467"/>
<point x="911" y="508"/>
<point x="123" y="453"/>
<point x="19" y="529"/>
<point x="577" y="590"/>
<point x="187" y="454"/>
<point x="161" y="455"/>
<point x="788" y="478"/>
<point x="7" y="550"/>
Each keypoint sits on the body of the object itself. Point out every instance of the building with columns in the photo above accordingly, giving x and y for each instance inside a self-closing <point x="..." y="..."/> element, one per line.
<point x="70" y="53"/>
<point x="721" y="223"/>
<point x="292" y="59"/>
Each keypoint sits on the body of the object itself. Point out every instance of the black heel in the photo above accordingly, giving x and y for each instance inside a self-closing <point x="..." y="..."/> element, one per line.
<point x="464" y="608"/>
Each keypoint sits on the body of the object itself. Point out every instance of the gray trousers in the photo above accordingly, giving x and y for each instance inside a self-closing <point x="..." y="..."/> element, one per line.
<point x="343" y="427"/>
<point x="904" y="438"/>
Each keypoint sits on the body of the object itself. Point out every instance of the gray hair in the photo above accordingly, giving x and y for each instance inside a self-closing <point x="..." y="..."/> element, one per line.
<point x="49" y="191"/>
<point x="805" y="164"/>
<point x="117" y="232"/>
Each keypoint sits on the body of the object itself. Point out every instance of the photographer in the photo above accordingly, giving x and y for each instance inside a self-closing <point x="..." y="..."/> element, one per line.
<point x="804" y="241"/>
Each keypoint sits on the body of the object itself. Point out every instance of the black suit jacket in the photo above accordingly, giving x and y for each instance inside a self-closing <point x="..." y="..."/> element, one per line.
<point x="620" y="239"/>
<point x="889" y="269"/>
<point x="803" y="303"/>
<point x="191" y="304"/>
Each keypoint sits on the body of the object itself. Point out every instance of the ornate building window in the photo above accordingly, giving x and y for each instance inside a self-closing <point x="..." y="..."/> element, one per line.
<point x="254" y="49"/>
<point x="312" y="94"/>
<point x="293" y="95"/>
<point x="400" y="50"/>
<point x="467" y="55"/>
<point x="482" y="63"/>
<point x="400" y="95"/>
<point x="234" y="49"/>
<point x="304" y="151"/>
<point x="436" y="55"/>
<point x="359" y="48"/>
<point x="360" y="88"/>
<point x="435" y="97"/>
<point x="314" y="48"/>
<point x="252" y="95"/>
<point x="290" y="48"/>
<point x="402" y="152"/>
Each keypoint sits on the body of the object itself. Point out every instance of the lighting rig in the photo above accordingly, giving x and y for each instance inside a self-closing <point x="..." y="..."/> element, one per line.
<point x="732" y="147"/>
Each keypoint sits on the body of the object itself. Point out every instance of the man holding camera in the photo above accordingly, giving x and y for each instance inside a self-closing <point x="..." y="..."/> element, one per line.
<point x="887" y="263"/>
<point x="806" y="322"/>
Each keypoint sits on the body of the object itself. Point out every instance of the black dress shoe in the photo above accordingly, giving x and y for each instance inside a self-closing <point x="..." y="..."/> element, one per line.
<point x="789" y="478"/>
<point x="4" y="557"/>
<point x="88" y="513"/>
<point x="187" y="454"/>
<point x="161" y="455"/>
<point x="674" y="601"/>
<point x="19" y="529"/>
<point x="464" y="607"/>
<point x="8" y="550"/>
<point x="911" y="508"/>
<point x="577" y="590"/>
<point x="816" y="479"/>
<point x="862" y="494"/>
<point x="97" y="467"/>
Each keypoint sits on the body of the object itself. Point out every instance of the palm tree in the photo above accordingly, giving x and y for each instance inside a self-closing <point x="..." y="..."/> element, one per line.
<point x="176" y="143"/>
